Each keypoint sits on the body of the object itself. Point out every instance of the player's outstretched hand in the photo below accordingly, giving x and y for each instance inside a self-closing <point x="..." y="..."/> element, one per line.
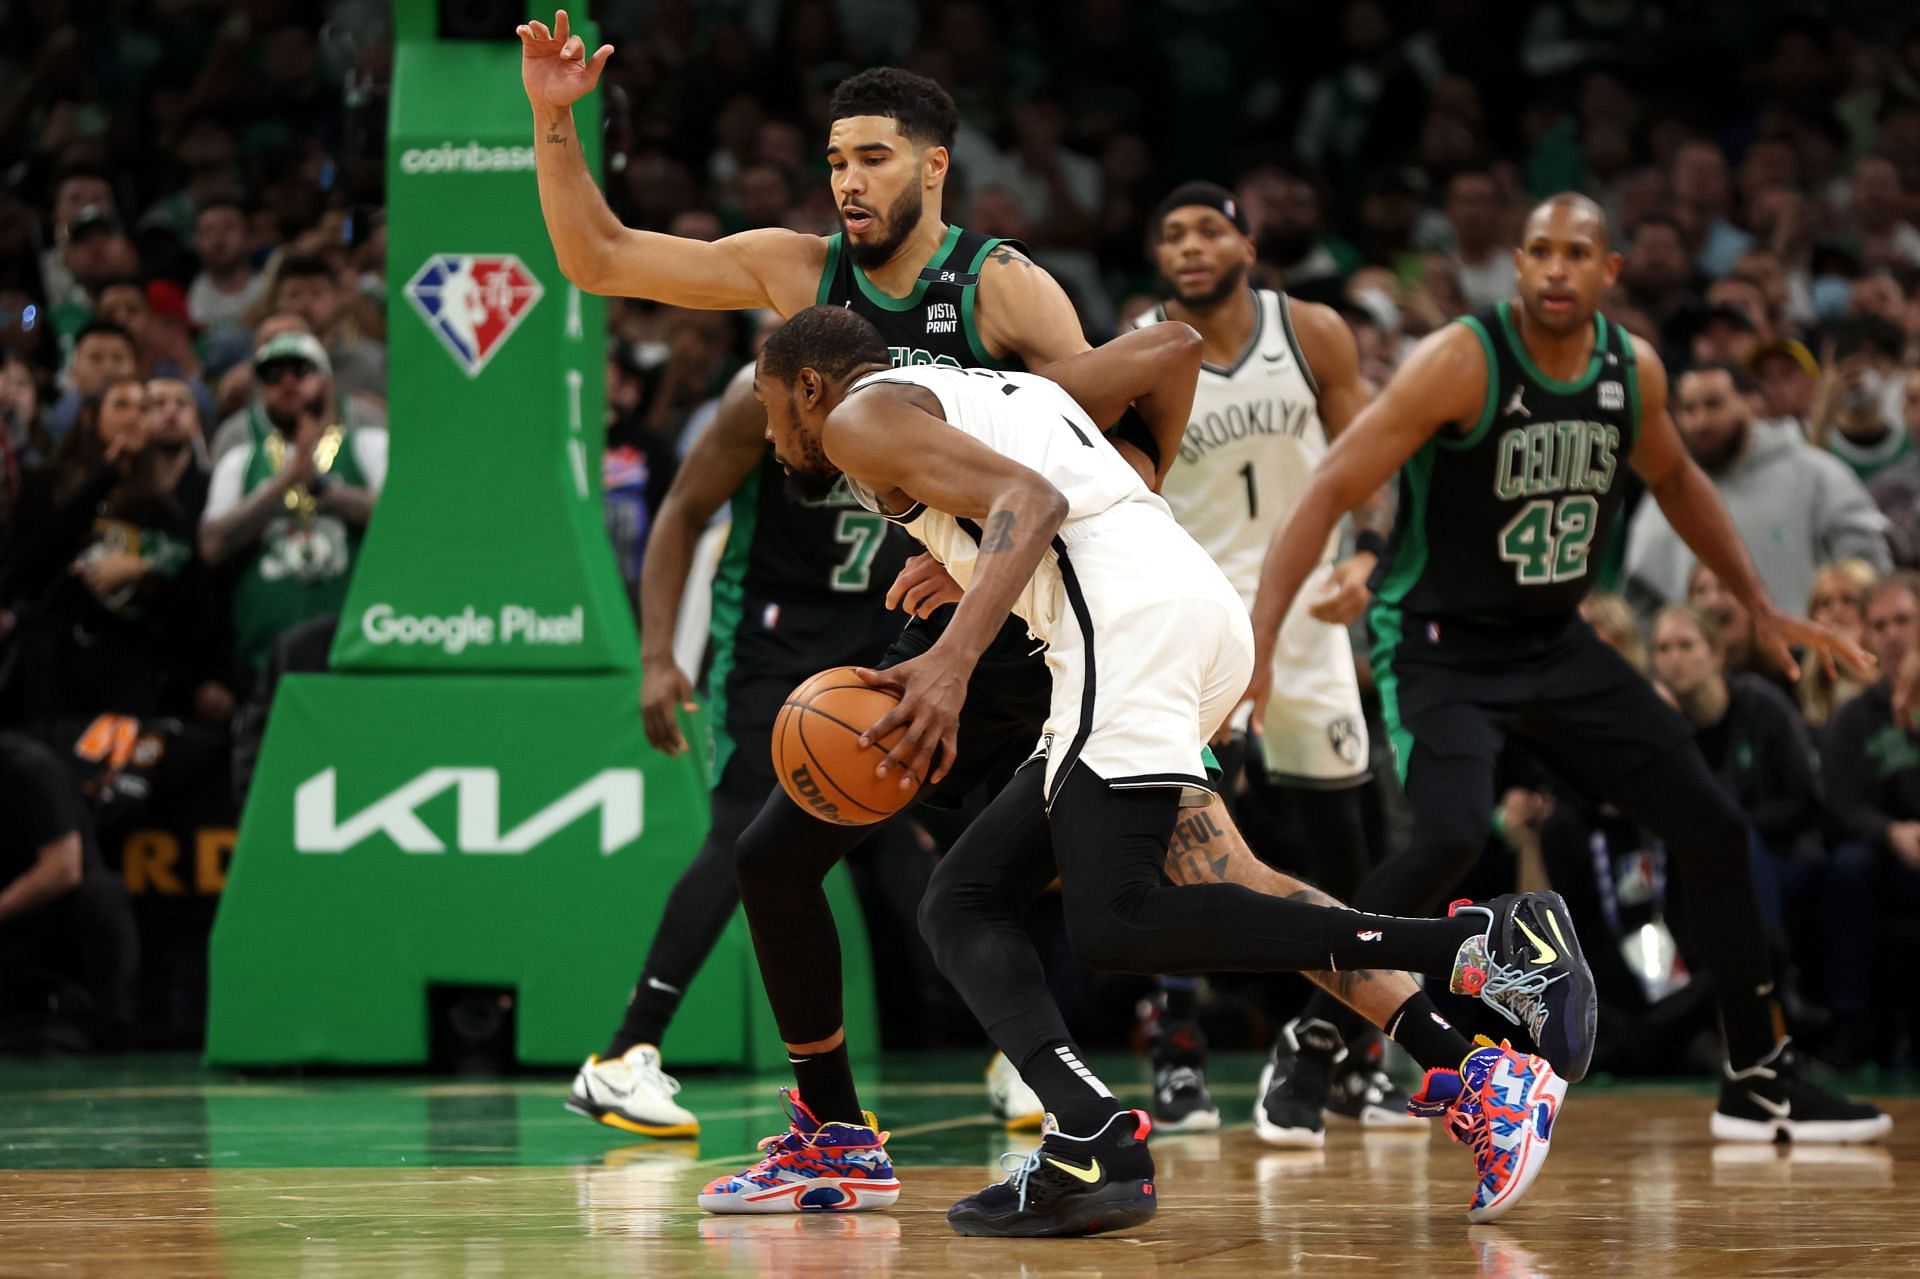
<point x="1345" y="595"/>
<point x="665" y="690"/>
<point x="554" y="65"/>
<point x="932" y="688"/>
<point x="922" y="586"/>
<point x="1777" y="634"/>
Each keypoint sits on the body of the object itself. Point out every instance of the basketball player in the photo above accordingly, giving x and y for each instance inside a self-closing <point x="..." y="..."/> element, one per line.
<point x="942" y="295"/>
<point x="1005" y="479"/>
<point x="1512" y="430"/>
<point x="1279" y="380"/>
<point x="802" y="587"/>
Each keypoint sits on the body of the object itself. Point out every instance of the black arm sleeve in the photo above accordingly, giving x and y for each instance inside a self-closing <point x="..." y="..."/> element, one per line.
<point x="1133" y="429"/>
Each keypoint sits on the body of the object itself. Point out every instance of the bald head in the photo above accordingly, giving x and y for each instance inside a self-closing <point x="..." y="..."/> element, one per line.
<point x="1582" y="207"/>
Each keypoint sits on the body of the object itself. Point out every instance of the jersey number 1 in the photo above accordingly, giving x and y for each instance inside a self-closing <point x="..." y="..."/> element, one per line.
<point x="1548" y="541"/>
<point x="864" y="531"/>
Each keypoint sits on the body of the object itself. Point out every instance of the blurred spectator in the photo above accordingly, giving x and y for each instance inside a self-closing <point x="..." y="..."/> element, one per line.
<point x="1872" y="770"/>
<point x="1702" y="199"/>
<point x="1839" y="603"/>
<point x="1795" y="506"/>
<point x="1289" y="229"/>
<point x="637" y="468"/>
<point x="1880" y="212"/>
<point x="1658" y="273"/>
<point x="1852" y="416"/>
<point x="102" y="352"/>
<point x="80" y="190"/>
<point x="112" y="611"/>
<point x="1706" y="592"/>
<point x="227" y="287"/>
<point x="310" y="287"/>
<point x="1613" y="621"/>
<point x="289" y="506"/>
<point x="1896" y="488"/>
<point x="68" y="947"/>
<point x="239" y="427"/>
<point x="1787" y="377"/>
<point x="19" y="426"/>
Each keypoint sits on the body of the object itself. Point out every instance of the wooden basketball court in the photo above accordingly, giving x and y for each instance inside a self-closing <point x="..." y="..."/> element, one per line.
<point x="154" y="1167"/>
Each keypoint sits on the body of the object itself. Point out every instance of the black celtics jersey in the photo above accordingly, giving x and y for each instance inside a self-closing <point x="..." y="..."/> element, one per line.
<point x="1502" y="523"/>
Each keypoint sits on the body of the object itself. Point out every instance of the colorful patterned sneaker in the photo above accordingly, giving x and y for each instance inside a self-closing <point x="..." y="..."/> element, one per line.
<point x="630" y="1092"/>
<point x="1293" y="1086"/>
<point x="1362" y="1092"/>
<point x="1527" y="966"/>
<point x="1008" y="1097"/>
<point x="1069" y="1186"/>
<point x="1502" y="1105"/>
<point x="1771" y="1102"/>
<point x="812" y="1167"/>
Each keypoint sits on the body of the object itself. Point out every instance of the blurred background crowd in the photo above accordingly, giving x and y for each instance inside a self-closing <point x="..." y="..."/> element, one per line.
<point x="193" y="307"/>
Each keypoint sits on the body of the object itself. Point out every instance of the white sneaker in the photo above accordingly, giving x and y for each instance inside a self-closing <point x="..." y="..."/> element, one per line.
<point x="631" y="1092"/>
<point x="1009" y="1098"/>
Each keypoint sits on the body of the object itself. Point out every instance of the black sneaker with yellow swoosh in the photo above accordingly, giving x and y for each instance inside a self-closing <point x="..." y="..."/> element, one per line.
<point x="1527" y="967"/>
<point x="1069" y="1186"/>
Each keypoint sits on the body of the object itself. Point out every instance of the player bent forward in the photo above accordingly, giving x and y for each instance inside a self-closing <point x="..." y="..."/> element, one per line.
<point x="1005" y="480"/>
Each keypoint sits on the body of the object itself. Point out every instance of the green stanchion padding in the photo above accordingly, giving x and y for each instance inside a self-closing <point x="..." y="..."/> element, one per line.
<point x="407" y="831"/>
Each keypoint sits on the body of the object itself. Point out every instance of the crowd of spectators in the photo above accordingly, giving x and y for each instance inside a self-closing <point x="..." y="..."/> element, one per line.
<point x="193" y="310"/>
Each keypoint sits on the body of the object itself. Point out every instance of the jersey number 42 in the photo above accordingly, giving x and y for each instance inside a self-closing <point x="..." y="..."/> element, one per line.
<point x="1548" y="541"/>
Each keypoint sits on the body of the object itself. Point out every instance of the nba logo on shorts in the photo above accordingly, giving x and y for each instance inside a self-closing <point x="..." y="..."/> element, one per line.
<point x="473" y="302"/>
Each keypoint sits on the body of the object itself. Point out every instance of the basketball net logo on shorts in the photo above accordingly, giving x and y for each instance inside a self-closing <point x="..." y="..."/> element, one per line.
<point x="473" y="302"/>
<point x="1344" y="736"/>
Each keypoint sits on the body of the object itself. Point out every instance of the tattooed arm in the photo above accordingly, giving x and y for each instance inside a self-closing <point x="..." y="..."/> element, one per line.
<point x="1206" y="849"/>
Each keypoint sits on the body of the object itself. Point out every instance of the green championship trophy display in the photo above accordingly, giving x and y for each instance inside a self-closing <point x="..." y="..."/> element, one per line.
<point x="467" y="798"/>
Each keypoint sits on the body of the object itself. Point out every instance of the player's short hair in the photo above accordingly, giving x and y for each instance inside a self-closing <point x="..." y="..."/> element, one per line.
<point x="922" y="110"/>
<point x="1582" y="204"/>
<point x="1738" y="374"/>
<point x="830" y="340"/>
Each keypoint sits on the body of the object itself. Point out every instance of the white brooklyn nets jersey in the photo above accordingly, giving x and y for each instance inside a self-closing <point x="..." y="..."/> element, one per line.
<point x="1147" y="642"/>
<point x="1251" y="448"/>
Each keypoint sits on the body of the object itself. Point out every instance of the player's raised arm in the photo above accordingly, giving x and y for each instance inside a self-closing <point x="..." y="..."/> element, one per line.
<point x="1693" y="506"/>
<point x="715" y="468"/>
<point x="1444" y="380"/>
<point x="1152" y="370"/>
<point x="773" y="268"/>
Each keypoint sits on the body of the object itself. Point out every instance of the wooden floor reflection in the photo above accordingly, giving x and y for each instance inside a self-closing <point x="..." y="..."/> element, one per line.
<point x="1634" y="1188"/>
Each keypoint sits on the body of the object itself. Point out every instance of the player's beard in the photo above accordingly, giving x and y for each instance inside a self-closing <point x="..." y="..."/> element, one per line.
<point x="811" y="479"/>
<point x="1225" y="287"/>
<point x="899" y="223"/>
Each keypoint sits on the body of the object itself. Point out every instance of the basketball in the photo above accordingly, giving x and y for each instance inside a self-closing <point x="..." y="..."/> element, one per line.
<point x="818" y="755"/>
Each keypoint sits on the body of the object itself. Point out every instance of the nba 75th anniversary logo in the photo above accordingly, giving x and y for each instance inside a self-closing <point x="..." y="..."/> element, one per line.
<point x="473" y="302"/>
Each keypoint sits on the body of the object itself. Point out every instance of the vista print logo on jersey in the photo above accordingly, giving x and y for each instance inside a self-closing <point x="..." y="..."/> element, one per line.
<point x="473" y="302"/>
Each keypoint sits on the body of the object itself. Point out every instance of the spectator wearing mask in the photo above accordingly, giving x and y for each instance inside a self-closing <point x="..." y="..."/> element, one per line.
<point x="309" y="286"/>
<point x="1838" y="603"/>
<point x="102" y="353"/>
<point x="1872" y="771"/>
<point x="68" y="947"/>
<point x="636" y="470"/>
<point x="288" y="507"/>
<point x="111" y="606"/>
<point x="1851" y="411"/>
<point x="1795" y="506"/>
